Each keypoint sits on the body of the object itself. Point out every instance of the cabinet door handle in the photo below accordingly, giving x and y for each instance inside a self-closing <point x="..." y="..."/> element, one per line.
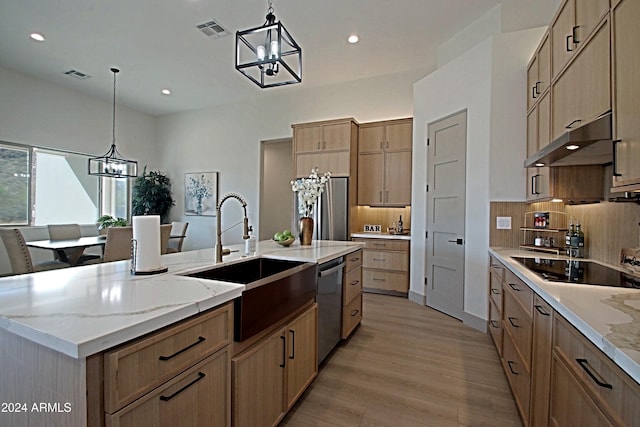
<point x="495" y="323"/>
<point x="293" y="344"/>
<point x="570" y="125"/>
<point x="495" y="291"/>
<point x="509" y="362"/>
<point x="355" y="282"/>
<point x="584" y="364"/>
<point x="541" y="311"/>
<point x="387" y="197"/>
<point x="387" y="144"/>
<point x="318" y="145"/>
<point x="379" y="244"/>
<point x="167" y="398"/>
<point x="324" y="145"/>
<point x="534" y="95"/>
<point x="375" y="279"/>
<point x="514" y="287"/>
<point x="533" y="184"/>
<point x="615" y="156"/>
<point x="380" y="196"/>
<point x="355" y="313"/>
<point x="536" y="88"/>
<point x="511" y="319"/>
<point x="574" y="36"/>
<point x="284" y="350"/>
<point x="165" y="358"/>
<point x="569" y="37"/>
<point x="379" y="259"/>
<point x="354" y="259"/>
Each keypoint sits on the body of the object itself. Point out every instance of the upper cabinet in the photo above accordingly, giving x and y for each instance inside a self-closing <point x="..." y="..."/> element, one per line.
<point x="384" y="163"/>
<point x="539" y="72"/>
<point x="626" y="94"/>
<point x="328" y="146"/>
<point x="573" y="23"/>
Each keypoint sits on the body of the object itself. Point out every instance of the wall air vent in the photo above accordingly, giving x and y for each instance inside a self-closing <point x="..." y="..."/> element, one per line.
<point x="77" y="74"/>
<point x="213" y="29"/>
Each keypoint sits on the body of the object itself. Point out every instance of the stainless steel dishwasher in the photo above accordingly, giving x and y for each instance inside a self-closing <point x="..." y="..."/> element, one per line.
<point x="329" y="299"/>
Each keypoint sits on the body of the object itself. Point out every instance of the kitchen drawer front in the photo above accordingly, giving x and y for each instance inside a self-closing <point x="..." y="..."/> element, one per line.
<point x="351" y="316"/>
<point x="198" y="397"/>
<point x="521" y="291"/>
<point x="396" y="261"/>
<point x="385" y="244"/>
<point x="518" y="376"/>
<point x="352" y="285"/>
<point x="353" y="260"/>
<point x="385" y="280"/>
<point x="495" y="326"/>
<point x="519" y="325"/>
<point x="135" y="368"/>
<point x="495" y="289"/>
<point x="619" y="392"/>
<point x="496" y="267"/>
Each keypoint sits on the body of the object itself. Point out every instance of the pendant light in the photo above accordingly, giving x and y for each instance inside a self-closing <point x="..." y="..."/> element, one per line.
<point x="112" y="164"/>
<point x="268" y="55"/>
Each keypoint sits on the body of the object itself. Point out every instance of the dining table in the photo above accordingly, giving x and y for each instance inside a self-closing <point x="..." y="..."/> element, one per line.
<point x="64" y="248"/>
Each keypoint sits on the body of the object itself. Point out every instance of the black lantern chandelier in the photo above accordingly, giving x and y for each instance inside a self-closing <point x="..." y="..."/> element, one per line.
<point x="268" y="55"/>
<point x="112" y="164"/>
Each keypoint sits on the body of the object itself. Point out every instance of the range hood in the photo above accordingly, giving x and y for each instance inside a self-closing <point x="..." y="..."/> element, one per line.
<point x="590" y="144"/>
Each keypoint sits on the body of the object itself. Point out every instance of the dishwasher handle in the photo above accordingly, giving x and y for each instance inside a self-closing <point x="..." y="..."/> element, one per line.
<point x="331" y="270"/>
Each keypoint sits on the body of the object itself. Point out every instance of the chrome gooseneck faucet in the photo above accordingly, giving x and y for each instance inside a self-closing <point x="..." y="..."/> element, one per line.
<point x="245" y="222"/>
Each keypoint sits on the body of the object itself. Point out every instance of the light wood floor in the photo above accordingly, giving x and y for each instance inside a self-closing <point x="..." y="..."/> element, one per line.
<point x="408" y="365"/>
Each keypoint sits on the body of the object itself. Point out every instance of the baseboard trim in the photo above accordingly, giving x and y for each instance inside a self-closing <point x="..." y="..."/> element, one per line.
<point x="417" y="298"/>
<point x="474" y="322"/>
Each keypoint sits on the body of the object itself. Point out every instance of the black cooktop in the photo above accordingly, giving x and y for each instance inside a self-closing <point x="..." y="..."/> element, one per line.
<point x="578" y="271"/>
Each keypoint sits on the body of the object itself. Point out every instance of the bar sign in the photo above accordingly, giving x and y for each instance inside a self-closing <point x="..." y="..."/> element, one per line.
<point x="368" y="228"/>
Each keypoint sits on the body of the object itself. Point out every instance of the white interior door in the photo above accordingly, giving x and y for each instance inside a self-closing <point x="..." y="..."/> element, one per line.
<point x="446" y="166"/>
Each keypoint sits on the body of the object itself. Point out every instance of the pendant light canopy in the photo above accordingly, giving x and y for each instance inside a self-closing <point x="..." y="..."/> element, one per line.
<point x="112" y="164"/>
<point x="268" y="55"/>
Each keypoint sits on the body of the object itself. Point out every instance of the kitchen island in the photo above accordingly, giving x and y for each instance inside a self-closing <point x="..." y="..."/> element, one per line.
<point x="51" y="323"/>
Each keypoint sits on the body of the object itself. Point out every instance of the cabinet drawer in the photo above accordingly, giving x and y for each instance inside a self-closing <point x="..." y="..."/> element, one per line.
<point x="521" y="291"/>
<point x="353" y="260"/>
<point x="352" y="285"/>
<point x="351" y="316"/>
<point x="517" y="375"/>
<point x="519" y="326"/>
<point x="496" y="267"/>
<point x="135" y="368"/>
<point x="385" y="244"/>
<point x="385" y="280"/>
<point x="619" y="392"/>
<point x="198" y="397"/>
<point x="397" y="261"/>
<point x="495" y="326"/>
<point x="495" y="289"/>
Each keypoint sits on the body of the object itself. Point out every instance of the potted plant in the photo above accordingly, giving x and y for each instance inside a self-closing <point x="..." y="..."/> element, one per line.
<point x="106" y="221"/>
<point x="152" y="195"/>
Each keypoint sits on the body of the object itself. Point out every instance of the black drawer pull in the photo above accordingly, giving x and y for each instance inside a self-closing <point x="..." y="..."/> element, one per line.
<point x="495" y="291"/>
<point x="375" y="279"/>
<point x="355" y="282"/>
<point x="569" y="37"/>
<point x="495" y="323"/>
<point x="509" y="362"/>
<point x="511" y="319"/>
<point x="379" y="244"/>
<point x="165" y="358"/>
<point x="584" y="364"/>
<point x="354" y="259"/>
<point x="515" y="287"/>
<point x="615" y="156"/>
<point x="541" y="311"/>
<point x="355" y="313"/>
<point x="574" y="36"/>
<point x="570" y="125"/>
<point x="168" y="398"/>
<point x="533" y="92"/>
<point x="293" y="344"/>
<point x="284" y="350"/>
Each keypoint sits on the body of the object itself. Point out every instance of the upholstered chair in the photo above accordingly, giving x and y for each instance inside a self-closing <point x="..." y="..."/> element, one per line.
<point x="19" y="256"/>
<point x="177" y="229"/>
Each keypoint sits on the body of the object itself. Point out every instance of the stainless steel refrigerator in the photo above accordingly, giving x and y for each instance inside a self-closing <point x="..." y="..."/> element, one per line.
<point x="331" y="212"/>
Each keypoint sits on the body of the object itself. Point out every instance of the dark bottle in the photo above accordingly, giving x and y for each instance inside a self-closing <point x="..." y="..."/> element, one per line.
<point x="567" y="237"/>
<point x="400" y="226"/>
<point x="579" y="236"/>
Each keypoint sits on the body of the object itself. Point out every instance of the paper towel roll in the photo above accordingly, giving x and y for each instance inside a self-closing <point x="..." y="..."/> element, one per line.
<point x="146" y="236"/>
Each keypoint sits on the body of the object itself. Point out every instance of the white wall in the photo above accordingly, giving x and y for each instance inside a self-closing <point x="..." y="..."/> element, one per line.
<point x="227" y="139"/>
<point x="35" y="112"/>
<point x="487" y="80"/>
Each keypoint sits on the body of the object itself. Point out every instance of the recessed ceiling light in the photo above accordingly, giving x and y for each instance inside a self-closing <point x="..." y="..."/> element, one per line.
<point x="166" y="91"/>
<point x="539" y="164"/>
<point x="353" y="39"/>
<point x="572" y="147"/>
<point x="37" y="37"/>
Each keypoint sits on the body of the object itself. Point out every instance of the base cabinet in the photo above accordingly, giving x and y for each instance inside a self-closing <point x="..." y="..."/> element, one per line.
<point x="271" y="375"/>
<point x="351" y="293"/>
<point x="385" y="266"/>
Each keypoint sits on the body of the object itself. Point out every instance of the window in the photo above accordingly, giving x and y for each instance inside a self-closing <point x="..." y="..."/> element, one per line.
<point x="39" y="187"/>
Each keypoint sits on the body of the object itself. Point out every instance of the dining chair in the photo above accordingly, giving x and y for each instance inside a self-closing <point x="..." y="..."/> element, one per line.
<point x="177" y="229"/>
<point x="69" y="232"/>
<point x="20" y="257"/>
<point x="165" y="234"/>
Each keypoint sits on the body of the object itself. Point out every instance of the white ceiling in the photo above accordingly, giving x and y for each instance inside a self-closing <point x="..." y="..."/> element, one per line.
<point x="155" y="43"/>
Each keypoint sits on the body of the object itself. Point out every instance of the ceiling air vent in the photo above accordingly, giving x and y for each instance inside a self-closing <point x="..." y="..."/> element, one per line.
<point x="213" y="29"/>
<point x="77" y="74"/>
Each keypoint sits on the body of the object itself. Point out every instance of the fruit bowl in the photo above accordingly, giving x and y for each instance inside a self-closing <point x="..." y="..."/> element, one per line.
<point x="287" y="242"/>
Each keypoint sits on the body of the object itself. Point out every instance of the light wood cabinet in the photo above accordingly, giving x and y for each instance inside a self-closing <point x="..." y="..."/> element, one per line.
<point x="384" y="163"/>
<point x="571" y="184"/>
<point x="328" y="146"/>
<point x="626" y="63"/>
<point x="351" y="293"/>
<point x="385" y="266"/>
<point x="496" y="278"/>
<point x="539" y="72"/>
<point x="541" y="362"/>
<point x="270" y="376"/>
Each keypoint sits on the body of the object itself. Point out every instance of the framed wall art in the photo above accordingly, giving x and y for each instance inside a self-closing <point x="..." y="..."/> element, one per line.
<point x="200" y="193"/>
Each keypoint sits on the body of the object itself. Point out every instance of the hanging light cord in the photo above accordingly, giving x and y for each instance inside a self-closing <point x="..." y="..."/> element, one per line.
<point x="115" y="71"/>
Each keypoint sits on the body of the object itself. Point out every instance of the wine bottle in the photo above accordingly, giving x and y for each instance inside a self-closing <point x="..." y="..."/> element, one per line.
<point x="400" y="226"/>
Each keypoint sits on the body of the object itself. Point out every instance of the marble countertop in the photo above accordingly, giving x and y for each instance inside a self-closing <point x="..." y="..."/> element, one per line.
<point x="83" y="310"/>
<point x="382" y="236"/>
<point x="609" y="317"/>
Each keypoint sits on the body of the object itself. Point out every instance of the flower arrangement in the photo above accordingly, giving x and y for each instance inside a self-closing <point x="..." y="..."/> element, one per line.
<point x="309" y="189"/>
<point x="199" y="189"/>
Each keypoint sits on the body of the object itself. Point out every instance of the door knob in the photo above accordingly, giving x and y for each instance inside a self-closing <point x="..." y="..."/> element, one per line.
<point x="457" y="241"/>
